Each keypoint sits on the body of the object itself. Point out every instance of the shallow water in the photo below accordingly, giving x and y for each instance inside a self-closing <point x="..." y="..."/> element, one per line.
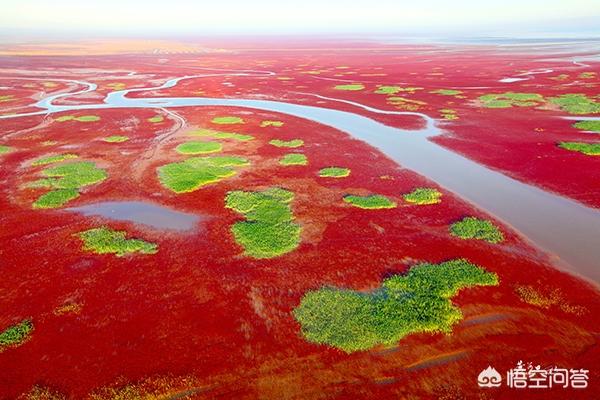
<point x="140" y="212"/>
<point x="567" y="229"/>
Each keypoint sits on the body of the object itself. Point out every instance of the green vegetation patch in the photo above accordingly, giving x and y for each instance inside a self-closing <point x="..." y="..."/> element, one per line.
<point x="390" y="90"/>
<point x="294" y="159"/>
<point x="5" y="98"/>
<point x="66" y="180"/>
<point x="576" y="104"/>
<point x="16" y="335"/>
<point x="116" y="139"/>
<point x="156" y="119"/>
<point x="83" y="118"/>
<point x="199" y="147"/>
<point x="351" y="87"/>
<point x="54" y="159"/>
<point x="5" y="149"/>
<point x="56" y="198"/>
<point x="475" y="228"/>
<point x="591" y="126"/>
<point x="371" y="202"/>
<point x="227" y="120"/>
<point x="221" y="135"/>
<point x="589" y="149"/>
<point x="447" y="92"/>
<point x="276" y="124"/>
<point x="419" y="301"/>
<point x="423" y="196"/>
<point x="334" y="172"/>
<point x="287" y="143"/>
<point x="269" y="230"/>
<point x="104" y="240"/>
<point x="510" y="99"/>
<point x="195" y="172"/>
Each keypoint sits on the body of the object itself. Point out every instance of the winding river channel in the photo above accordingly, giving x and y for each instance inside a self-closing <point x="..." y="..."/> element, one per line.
<point x="567" y="230"/>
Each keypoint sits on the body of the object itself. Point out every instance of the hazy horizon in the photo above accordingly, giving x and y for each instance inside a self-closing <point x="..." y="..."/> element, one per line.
<point x="267" y="17"/>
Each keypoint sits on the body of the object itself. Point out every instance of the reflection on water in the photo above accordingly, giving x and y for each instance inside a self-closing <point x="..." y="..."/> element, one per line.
<point x="140" y="212"/>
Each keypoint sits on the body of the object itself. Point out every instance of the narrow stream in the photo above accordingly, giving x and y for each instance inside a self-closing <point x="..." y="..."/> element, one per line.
<point x="566" y="229"/>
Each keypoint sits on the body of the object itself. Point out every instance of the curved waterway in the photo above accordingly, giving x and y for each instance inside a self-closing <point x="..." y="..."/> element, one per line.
<point x="568" y="230"/>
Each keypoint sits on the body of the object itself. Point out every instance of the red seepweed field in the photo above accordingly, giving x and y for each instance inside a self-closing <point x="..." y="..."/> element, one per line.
<point x="106" y="307"/>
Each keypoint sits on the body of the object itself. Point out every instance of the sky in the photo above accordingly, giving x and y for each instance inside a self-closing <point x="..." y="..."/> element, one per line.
<point x="156" y="17"/>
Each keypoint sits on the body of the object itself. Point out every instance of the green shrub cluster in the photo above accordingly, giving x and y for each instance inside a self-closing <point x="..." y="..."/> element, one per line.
<point x="592" y="126"/>
<point x="287" y="143"/>
<point x="195" y="172"/>
<point x="65" y="181"/>
<point x="156" y="119"/>
<point x="269" y="229"/>
<point x="334" y="172"/>
<point x="53" y="159"/>
<point x="5" y="149"/>
<point x="351" y="87"/>
<point x="576" y="104"/>
<point x="83" y="118"/>
<point x="589" y="149"/>
<point x="475" y="228"/>
<point x="447" y="92"/>
<point x="221" y="135"/>
<point x="510" y="99"/>
<point x="371" y="202"/>
<point x="104" y="240"/>
<point x="227" y="120"/>
<point x="116" y="139"/>
<point x="294" y="159"/>
<point x="423" y="196"/>
<point x="416" y="302"/>
<point x="15" y="335"/>
<point x="199" y="148"/>
<point x="276" y="124"/>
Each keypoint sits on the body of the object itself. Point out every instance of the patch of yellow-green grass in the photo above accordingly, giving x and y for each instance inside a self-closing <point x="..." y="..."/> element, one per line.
<point x="423" y="196"/>
<point x="269" y="230"/>
<point x="5" y="149"/>
<point x="510" y="99"/>
<point x="390" y="90"/>
<point x="104" y="240"/>
<point x="334" y="172"/>
<point x="351" y="87"/>
<point x="156" y="119"/>
<point x="47" y="143"/>
<point x="56" y="198"/>
<point x="227" y="120"/>
<point x="83" y="118"/>
<point x="589" y="149"/>
<point x="448" y="114"/>
<point x="276" y="124"/>
<point x="287" y="143"/>
<point x="54" y="159"/>
<point x="587" y="75"/>
<point x="590" y="126"/>
<point x="65" y="181"/>
<point x="199" y="147"/>
<point x="447" y="92"/>
<point x="293" y="159"/>
<point x="116" y="85"/>
<point x="576" y="103"/>
<point x="6" y="98"/>
<point x="371" y="202"/>
<point x="221" y="135"/>
<point x="116" y="139"/>
<point x="16" y="335"/>
<point x="419" y="301"/>
<point x="475" y="228"/>
<point x="195" y="172"/>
